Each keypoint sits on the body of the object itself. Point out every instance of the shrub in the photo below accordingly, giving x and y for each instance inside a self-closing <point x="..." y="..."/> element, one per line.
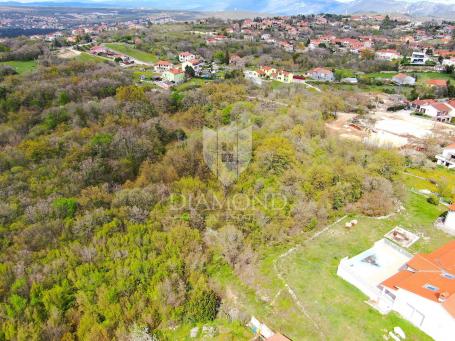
<point x="433" y="199"/>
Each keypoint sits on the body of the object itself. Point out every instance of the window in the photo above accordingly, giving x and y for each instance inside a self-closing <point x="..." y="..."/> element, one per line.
<point x="448" y="276"/>
<point x="431" y="287"/>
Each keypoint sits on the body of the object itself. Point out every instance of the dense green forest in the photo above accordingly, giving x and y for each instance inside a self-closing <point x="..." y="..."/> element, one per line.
<point x="92" y="243"/>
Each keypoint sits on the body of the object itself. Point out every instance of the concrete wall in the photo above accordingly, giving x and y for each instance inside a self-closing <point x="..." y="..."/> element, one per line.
<point x="436" y="321"/>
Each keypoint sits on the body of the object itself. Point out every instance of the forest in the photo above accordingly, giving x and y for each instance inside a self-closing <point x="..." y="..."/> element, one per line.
<point x="92" y="244"/>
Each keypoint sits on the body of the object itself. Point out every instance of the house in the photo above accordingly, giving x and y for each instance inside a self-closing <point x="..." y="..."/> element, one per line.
<point x="419" y="58"/>
<point x="321" y="74"/>
<point x="387" y="54"/>
<point x="162" y="66"/>
<point x="451" y="104"/>
<point x="349" y="80"/>
<point x="403" y="79"/>
<point x="286" y="46"/>
<point x="195" y="64"/>
<point x="275" y="74"/>
<point x="370" y="268"/>
<point x="423" y="292"/>
<point x="447" y="158"/>
<point x="186" y="57"/>
<point x="98" y="50"/>
<point x="436" y="110"/>
<point x="282" y="76"/>
<point x="175" y="76"/>
<point x="449" y="62"/>
<point x="437" y="83"/>
<point x="449" y="220"/>
<point x="236" y="60"/>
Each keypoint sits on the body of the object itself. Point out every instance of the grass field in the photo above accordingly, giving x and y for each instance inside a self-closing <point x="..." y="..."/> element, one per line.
<point x="22" y="66"/>
<point x="337" y="308"/>
<point x="132" y="52"/>
<point x="86" y="57"/>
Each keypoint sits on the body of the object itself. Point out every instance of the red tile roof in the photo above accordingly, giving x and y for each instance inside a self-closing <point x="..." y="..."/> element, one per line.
<point x="401" y="76"/>
<point x="163" y="62"/>
<point x="175" y="71"/>
<point x="435" y="269"/>
<point x="441" y="107"/>
<point x="437" y="82"/>
<point x="321" y="70"/>
<point x="423" y="101"/>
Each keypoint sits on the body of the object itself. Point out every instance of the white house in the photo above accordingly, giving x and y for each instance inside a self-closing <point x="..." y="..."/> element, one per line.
<point x="403" y="79"/>
<point x="195" y="64"/>
<point x="162" y="66"/>
<point x="447" y="158"/>
<point x="423" y="292"/>
<point x="321" y="74"/>
<point x="420" y="288"/>
<point x="449" y="62"/>
<point x="439" y="111"/>
<point x="186" y="57"/>
<point x="387" y="54"/>
<point x="370" y="268"/>
<point x="419" y="58"/>
<point x="451" y="104"/>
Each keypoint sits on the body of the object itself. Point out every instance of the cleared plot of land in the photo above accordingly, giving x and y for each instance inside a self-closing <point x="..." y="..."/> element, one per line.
<point x="336" y="310"/>
<point x="131" y="51"/>
<point x="68" y="53"/>
<point x="421" y="76"/>
<point x="87" y="57"/>
<point x="22" y="66"/>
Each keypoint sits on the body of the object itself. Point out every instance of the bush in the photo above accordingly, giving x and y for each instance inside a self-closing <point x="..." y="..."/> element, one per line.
<point x="65" y="207"/>
<point x="396" y="107"/>
<point x="433" y="199"/>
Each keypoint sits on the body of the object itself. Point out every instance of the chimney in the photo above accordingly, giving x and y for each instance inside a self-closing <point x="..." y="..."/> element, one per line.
<point x="443" y="296"/>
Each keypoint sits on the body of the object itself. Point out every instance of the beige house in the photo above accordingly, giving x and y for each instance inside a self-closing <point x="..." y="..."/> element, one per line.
<point x="275" y="74"/>
<point x="174" y="76"/>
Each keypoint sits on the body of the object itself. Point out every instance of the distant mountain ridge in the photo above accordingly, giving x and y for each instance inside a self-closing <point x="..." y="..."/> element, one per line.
<point x="282" y="7"/>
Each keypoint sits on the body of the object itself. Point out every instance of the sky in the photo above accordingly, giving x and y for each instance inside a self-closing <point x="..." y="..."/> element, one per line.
<point x="259" y="6"/>
<point x="213" y="1"/>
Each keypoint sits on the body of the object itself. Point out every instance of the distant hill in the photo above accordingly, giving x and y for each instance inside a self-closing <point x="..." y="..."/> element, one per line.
<point x="437" y="8"/>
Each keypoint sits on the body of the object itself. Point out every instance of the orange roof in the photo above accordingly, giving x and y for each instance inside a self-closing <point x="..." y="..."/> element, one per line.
<point x="401" y="76"/>
<point x="431" y="276"/>
<point x="452" y="207"/>
<point x="277" y="337"/>
<point x="441" y="107"/>
<point x="437" y="82"/>
<point x="423" y="101"/>
<point x="163" y="62"/>
<point x="175" y="71"/>
<point x="321" y="70"/>
<point x="185" y="54"/>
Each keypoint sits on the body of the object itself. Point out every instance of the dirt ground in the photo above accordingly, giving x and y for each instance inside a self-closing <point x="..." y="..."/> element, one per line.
<point x="396" y="129"/>
<point x="68" y="53"/>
